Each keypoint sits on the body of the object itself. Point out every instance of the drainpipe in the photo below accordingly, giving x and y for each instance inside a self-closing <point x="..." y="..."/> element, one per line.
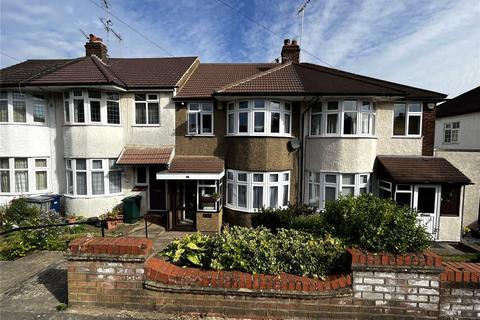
<point x="302" y="154"/>
<point x="462" y="206"/>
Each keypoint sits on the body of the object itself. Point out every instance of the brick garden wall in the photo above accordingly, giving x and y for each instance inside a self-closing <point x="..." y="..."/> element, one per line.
<point x="120" y="273"/>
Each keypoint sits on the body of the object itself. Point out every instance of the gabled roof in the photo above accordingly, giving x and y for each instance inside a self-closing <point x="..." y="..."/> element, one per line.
<point x="418" y="169"/>
<point x="310" y="79"/>
<point x="124" y="72"/>
<point x="209" y="76"/>
<point x="145" y="155"/>
<point x="467" y="102"/>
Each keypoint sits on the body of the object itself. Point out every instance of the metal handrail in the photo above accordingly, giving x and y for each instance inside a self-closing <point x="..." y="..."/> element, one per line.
<point x="91" y="222"/>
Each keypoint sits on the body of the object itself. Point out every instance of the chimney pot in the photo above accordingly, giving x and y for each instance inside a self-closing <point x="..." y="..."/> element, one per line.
<point x="290" y="51"/>
<point x="95" y="47"/>
<point x="286" y="42"/>
<point x="294" y="42"/>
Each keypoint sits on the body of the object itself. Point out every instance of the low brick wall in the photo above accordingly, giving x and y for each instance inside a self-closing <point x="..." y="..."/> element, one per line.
<point x="120" y="273"/>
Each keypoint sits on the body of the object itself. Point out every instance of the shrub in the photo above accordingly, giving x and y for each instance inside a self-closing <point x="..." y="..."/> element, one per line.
<point x="375" y="224"/>
<point x="260" y="251"/>
<point x="312" y="223"/>
<point x="274" y="219"/>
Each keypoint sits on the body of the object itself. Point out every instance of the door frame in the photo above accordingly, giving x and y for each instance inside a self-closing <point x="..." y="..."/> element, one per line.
<point x="173" y="205"/>
<point x="149" y="187"/>
<point x="438" y="190"/>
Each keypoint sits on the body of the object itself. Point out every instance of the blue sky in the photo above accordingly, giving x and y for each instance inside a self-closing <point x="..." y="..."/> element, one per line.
<point x="430" y="44"/>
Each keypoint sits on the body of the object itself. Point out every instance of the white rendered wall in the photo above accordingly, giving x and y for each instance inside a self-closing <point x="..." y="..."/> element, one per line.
<point x="450" y="228"/>
<point x="469" y="133"/>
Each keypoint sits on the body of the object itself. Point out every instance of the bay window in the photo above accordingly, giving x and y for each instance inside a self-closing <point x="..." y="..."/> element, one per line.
<point x="147" y="109"/>
<point x="259" y="117"/>
<point x="39" y="108"/>
<point x="90" y="106"/>
<point x="342" y="118"/>
<point x="323" y="187"/>
<point x="18" y="107"/>
<point x="200" y="118"/>
<point x="407" y="119"/>
<point x="23" y="175"/>
<point x="113" y="108"/>
<point x="90" y="177"/>
<point x="3" y="106"/>
<point x="250" y="191"/>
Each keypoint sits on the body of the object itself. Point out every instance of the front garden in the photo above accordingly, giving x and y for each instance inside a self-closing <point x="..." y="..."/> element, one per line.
<point x="298" y="240"/>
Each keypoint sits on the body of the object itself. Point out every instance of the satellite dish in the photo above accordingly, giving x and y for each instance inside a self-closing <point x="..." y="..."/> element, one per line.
<point x="294" y="144"/>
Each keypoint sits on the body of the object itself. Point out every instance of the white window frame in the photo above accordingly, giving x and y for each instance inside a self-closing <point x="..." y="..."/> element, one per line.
<point x="410" y="191"/>
<point x="40" y="169"/>
<point x="114" y="97"/>
<point x="204" y="108"/>
<point x="384" y="187"/>
<point x="89" y="170"/>
<point x="250" y="183"/>
<point x="146" y="102"/>
<point x="408" y="114"/>
<point x="31" y="175"/>
<point x="30" y="100"/>
<point x="320" y="181"/>
<point x="340" y="112"/>
<point x="217" y="185"/>
<point x="268" y="109"/>
<point x="451" y="127"/>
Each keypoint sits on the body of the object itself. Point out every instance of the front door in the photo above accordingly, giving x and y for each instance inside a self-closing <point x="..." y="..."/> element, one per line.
<point x="158" y="191"/>
<point x="185" y="204"/>
<point x="426" y="201"/>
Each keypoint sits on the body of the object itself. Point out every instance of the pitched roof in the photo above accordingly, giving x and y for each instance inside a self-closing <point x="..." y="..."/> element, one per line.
<point x="310" y="79"/>
<point x="124" y="72"/>
<point x="145" y="155"/>
<point x="411" y="169"/>
<point x="210" y="76"/>
<point x="196" y="164"/>
<point x="467" y="102"/>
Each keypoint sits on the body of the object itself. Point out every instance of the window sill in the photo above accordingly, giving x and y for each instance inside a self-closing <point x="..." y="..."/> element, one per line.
<point x="30" y="193"/>
<point x="92" y="124"/>
<point x="35" y="124"/>
<point x="265" y="135"/>
<point x="407" y="137"/>
<point x="451" y="143"/>
<point x="342" y="137"/>
<point x="200" y="135"/>
<point x="146" y="125"/>
<point x="92" y="196"/>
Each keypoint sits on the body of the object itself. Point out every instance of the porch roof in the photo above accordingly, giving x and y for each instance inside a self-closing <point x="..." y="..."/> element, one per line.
<point x="141" y="155"/>
<point x="418" y="169"/>
<point x="196" y="164"/>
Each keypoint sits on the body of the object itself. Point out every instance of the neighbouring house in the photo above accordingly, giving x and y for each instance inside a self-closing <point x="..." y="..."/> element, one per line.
<point x="457" y="139"/>
<point x="212" y="143"/>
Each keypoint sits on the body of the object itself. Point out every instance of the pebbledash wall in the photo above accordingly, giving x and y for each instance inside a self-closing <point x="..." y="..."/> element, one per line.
<point x="122" y="273"/>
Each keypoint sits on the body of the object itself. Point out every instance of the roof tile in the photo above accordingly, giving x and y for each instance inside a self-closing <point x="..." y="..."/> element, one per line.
<point x="145" y="155"/>
<point x="194" y="164"/>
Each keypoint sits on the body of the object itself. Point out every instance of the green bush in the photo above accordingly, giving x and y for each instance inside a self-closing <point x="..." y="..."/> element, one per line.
<point x="375" y="224"/>
<point x="260" y="251"/>
<point x="313" y="223"/>
<point x="274" y="219"/>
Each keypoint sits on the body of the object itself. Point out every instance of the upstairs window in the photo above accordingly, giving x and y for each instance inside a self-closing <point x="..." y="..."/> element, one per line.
<point x="407" y="119"/>
<point x="450" y="132"/>
<point x="19" y="107"/>
<point x="113" y="108"/>
<point x="39" y="108"/>
<point x="147" y="109"/>
<point x="3" y="106"/>
<point x="200" y="118"/>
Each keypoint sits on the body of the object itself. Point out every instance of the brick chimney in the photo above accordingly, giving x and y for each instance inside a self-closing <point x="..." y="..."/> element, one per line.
<point x="290" y="51"/>
<point x="95" y="47"/>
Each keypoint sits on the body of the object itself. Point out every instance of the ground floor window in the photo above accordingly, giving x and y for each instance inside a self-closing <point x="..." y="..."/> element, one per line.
<point x="23" y="175"/>
<point x="250" y="191"/>
<point x="326" y="186"/>
<point x="209" y="195"/>
<point x="404" y="194"/>
<point x="87" y="177"/>
<point x="384" y="189"/>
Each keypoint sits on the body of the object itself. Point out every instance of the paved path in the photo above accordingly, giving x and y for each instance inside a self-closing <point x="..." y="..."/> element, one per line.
<point x="161" y="238"/>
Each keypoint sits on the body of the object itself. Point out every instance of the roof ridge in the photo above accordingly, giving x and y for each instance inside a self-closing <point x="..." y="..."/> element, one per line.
<point x="255" y="76"/>
<point x="346" y="74"/>
<point x="106" y="71"/>
<point x="53" y="69"/>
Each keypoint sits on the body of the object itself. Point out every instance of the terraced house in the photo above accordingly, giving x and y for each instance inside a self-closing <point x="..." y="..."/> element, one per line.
<point x="210" y="143"/>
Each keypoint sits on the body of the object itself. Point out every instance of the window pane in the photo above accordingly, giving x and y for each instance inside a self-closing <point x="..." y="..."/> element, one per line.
<point x="287" y="123"/>
<point x="3" y="111"/>
<point x="77" y="92"/>
<point x="257" y="197"/>
<point x="317" y="107"/>
<point x="96" y="164"/>
<point x="4" y="163"/>
<point x="273" y="177"/>
<point x="21" y="181"/>
<point x="66" y="95"/>
<point x="113" y="112"/>
<point x="413" y="124"/>
<point x="399" y="119"/>
<point x="81" y="164"/>
<point x="140" y="97"/>
<point x="332" y="123"/>
<point x="454" y="135"/>
<point x="153" y="113"/>
<point x="78" y="111"/>
<point x="426" y="200"/>
<point x="140" y="113"/>
<point x="242" y="196"/>
<point x="285" y="196"/>
<point x="39" y="110"/>
<point x="98" y="186"/>
<point x="286" y="176"/>
<point x="115" y="179"/>
<point x="332" y="105"/>
<point x="366" y="106"/>
<point x="194" y="107"/>
<point x="275" y="105"/>
<point x="257" y="177"/>
<point x="81" y="183"/>
<point x="415" y="107"/>
<point x="229" y="175"/>
<point x="243" y="105"/>
<point x="242" y="177"/>
<point x="367" y="122"/>
<point x="348" y="179"/>
<point x="350" y="123"/>
<point x="363" y="178"/>
<point x="152" y="97"/>
<point x="313" y="194"/>
<point x="363" y="190"/>
<point x="229" y="193"/>
<point x="67" y="112"/>
<point x="259" y="104"/>
<point x="404" y="198"/>
<point x="231" y="106"/>
<point x="141" y="175"/>
<point x="456" y="125"/>
<point x="40" y="163"/>
<point x="4" y="180"/>
<point x="349" y="105"/>
<point x="113" y="96"/>
<point x="275" y="122"/>
<point x="21" y="163"/>
<point x="19" y="111"/>
<point x="69" y="182"/>
<point x="273" y="197"/>
<point x="95" y="111"/>
<point x="348" y="190"/>
<point x="41" y="180"/>
<point x="192" y="123"/>
<point x="287" y="106"/>
<point x="96" y="94"/>
<point x="207" y="123"/>
<point x="330" y="194"/>
<point x="330" y="178"/>
<point x="404" y="187"/>
<point x="316" y="124"/>
<point x="448" y="135"/>
<point x="243" y="122"/>
<point x="259" y="122"/>
<point x="231" y="123"/>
